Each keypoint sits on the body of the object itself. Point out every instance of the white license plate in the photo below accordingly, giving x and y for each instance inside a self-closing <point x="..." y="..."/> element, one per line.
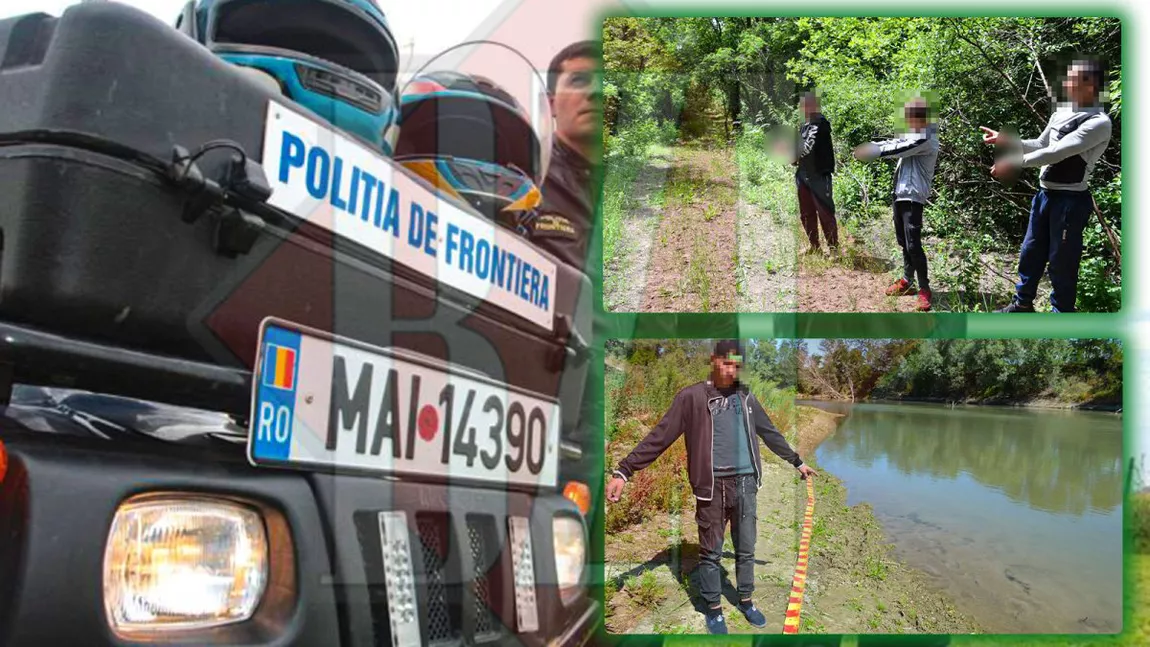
<point x="326" y="402"/>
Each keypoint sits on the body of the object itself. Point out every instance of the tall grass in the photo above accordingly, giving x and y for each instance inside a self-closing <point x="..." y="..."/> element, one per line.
<point x="763" y="180"/>
<point x="613" y="384"/>
<point x="1140" y="503"/>
<point x="618" y="198"/>
<point x="626" y="155"/>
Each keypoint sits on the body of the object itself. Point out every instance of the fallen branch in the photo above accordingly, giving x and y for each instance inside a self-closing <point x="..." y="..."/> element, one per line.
<point x="815" y="375"/>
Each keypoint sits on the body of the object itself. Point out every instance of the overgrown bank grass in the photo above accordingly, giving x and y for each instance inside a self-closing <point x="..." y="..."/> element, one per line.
<point x="619" y="197"/>
<point x="1140" y="515"/>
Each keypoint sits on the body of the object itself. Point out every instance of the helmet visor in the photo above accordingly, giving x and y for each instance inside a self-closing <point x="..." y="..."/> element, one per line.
<point x="336" y="32"/>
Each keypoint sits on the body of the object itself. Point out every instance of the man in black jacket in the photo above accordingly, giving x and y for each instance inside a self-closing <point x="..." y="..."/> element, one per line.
<point x="815" y="158"/>
<point x="720" y="419"/>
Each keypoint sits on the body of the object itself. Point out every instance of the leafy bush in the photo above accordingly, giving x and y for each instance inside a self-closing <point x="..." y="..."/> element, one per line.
<point x="634" y="141"/>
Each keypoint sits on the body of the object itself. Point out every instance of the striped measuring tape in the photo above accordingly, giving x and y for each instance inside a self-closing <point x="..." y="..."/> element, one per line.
<point x="799" y="582"/>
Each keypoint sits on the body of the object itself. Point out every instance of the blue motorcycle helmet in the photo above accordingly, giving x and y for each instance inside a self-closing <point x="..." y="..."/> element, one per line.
<point x="336" y="58"/>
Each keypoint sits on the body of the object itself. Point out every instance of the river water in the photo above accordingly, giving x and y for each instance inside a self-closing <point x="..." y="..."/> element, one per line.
<point x="1015" y="513"/>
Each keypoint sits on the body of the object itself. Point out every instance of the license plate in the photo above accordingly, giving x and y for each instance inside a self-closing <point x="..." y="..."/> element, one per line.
<point x="326" y="402"/>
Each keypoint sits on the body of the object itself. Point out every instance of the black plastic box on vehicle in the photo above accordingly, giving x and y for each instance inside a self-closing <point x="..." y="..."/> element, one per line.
<point x="94" y="105"/>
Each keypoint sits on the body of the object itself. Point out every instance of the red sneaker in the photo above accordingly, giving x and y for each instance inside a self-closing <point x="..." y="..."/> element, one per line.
<point x="923" y="301"/>
<point x="900" y="288"/>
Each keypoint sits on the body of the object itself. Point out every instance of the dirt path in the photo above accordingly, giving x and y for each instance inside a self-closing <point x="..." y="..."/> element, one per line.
<point x="855" y="279"/>
<point x="768" y="267"/>
<point x="692" y="266"/>
<point x="703" y="236"/>
<point x="712" y="230"/>
<point x="854" y="585"/>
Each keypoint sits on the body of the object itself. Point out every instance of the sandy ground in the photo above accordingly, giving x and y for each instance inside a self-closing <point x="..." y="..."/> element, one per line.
<point x="854" y="584"/>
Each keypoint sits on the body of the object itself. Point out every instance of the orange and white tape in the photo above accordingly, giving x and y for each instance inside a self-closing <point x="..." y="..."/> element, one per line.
<point x="799" y="582"/>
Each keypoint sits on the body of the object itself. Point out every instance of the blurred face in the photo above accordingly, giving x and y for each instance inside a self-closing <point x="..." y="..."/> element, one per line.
<point x="725" y="370"/>
<point x="1079" y="86"/>
<point x="576" y="110"/>
<point x="810" y="106"/>
<point x="915" y="117"/>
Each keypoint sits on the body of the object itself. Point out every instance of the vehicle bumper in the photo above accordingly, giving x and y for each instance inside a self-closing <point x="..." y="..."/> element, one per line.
<point x="60" y="494"/>
<point x="582" y="629"/>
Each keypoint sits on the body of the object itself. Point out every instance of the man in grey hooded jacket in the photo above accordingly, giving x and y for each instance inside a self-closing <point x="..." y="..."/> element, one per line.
<point x="917" y="154"/>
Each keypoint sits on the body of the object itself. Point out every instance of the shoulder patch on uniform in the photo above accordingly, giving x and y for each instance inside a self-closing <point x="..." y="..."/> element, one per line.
<point x="553" y="224"/>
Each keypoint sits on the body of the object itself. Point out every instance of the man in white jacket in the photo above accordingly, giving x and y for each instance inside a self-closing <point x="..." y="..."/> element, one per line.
<point x="1067" y="150"/>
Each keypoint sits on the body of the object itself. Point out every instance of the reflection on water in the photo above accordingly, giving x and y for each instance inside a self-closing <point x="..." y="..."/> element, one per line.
<point x="1016" y="513"/>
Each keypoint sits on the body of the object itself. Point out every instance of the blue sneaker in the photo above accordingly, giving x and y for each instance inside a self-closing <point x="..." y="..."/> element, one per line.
<point x="715" y="622"/>
<point x="752" y="614"/>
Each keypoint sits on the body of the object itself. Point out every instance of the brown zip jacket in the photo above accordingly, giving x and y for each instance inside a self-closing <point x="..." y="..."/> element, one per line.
<point x="690" y="415"/>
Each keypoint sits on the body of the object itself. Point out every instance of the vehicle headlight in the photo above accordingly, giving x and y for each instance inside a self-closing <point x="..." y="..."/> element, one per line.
<point x="183" y="562"/>
<point x="570" y="556"/>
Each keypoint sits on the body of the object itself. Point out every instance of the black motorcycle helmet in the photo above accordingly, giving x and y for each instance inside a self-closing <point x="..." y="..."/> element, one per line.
<point x="469" y="136"/>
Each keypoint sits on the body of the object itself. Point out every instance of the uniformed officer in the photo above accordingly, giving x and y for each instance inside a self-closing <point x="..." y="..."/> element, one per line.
<point x="563" y="225"/>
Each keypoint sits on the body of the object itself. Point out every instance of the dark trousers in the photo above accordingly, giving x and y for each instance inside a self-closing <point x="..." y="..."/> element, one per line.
<point x="734" y="501"/>
<point x="1054" y="239"/>
<point x="908" y="230"/>
<point x="812" y="211"/>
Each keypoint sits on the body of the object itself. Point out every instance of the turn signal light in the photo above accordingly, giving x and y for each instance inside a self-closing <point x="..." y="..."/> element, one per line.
<point x="580" y="494"/>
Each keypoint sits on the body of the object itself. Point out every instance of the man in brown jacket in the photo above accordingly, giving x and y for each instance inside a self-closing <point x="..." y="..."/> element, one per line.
<point x="720" y="419"/>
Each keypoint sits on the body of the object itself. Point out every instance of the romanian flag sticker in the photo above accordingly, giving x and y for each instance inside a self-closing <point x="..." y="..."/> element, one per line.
<point x="279" y="367"/>
<point x="273" y="413"/>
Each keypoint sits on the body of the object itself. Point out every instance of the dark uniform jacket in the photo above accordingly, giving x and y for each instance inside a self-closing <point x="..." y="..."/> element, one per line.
<point x="563" y="225"/>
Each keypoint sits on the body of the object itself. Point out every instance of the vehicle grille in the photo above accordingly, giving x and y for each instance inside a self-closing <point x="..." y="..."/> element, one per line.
<point x="457" y="577"/>
<point x="434" y="532"/>
<point x="484" y="552"/>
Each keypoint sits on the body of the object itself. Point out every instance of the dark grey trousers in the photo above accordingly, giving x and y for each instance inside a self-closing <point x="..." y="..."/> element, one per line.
<point x="734" y="501"/>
